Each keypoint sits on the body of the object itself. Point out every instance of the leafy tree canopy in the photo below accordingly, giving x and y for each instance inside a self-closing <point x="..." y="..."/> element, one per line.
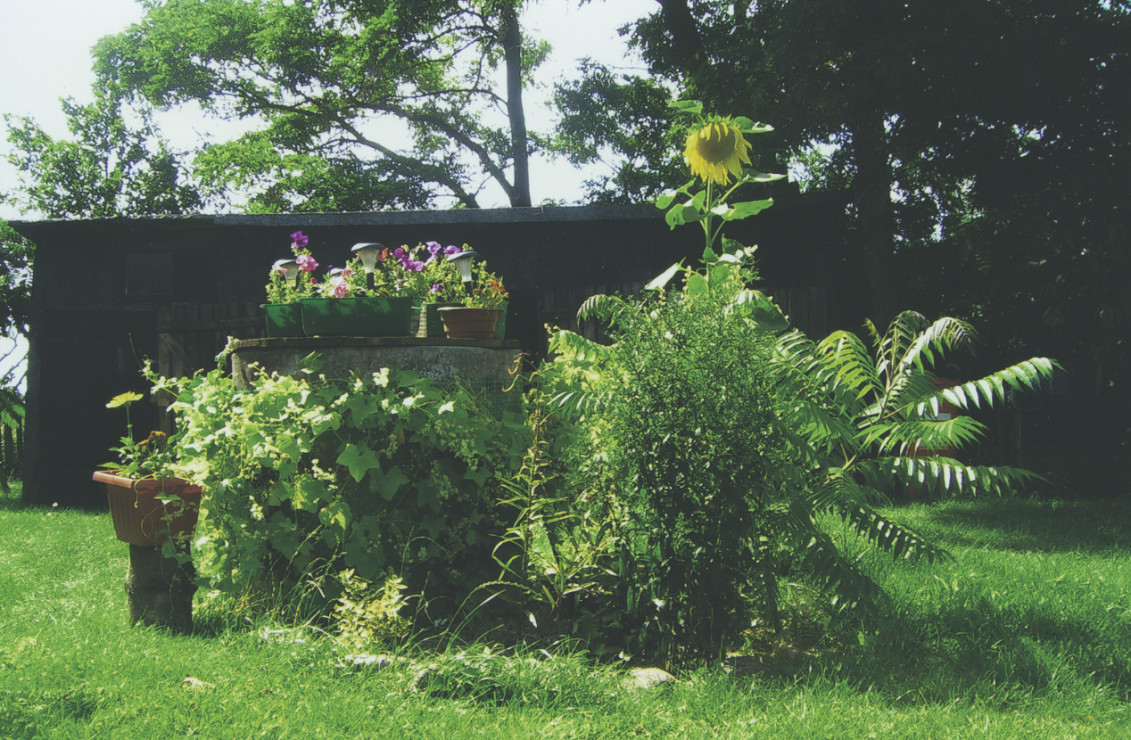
<point x="395" y="100"/>
<point x="983" y="145"/>
<point x="111" y="167"/>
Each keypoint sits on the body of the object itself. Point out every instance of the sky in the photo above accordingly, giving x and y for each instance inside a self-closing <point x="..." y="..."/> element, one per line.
<point x="46" y="57"/>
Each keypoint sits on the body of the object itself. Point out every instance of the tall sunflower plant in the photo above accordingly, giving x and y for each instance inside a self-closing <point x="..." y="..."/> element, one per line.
<point x="718" y="155"/>
<point x="717" y="152"/>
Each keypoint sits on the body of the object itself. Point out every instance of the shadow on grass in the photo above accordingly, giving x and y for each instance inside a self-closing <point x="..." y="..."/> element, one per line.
<point x="976" y="651"/>
<point x="12" y="499"/>
<point x="1025" y="524"/>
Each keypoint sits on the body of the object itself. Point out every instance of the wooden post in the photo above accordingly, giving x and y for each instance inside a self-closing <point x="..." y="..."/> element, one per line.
<point x="160" y="589"/>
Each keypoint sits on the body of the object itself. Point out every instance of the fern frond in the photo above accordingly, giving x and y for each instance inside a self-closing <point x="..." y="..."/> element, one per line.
<point x="575" y="348"/>
<point x="839" y="491"/>
<point x="944" y="475"/>
<point x="853" y="366"/>
<point x="851" y="588"/>
<point x="801" y="369"/>
<point x="896" y="341"/>
<point x="908" y="387"/>
<point x="898" y="541"/>
<point x="897" y="437"/>
<point x="943" y="335"/>
<point x="608" y="309"/>
<point x="577" y="405"/>
<point x="1026" y="375"/>
<point x="821" y="429"/>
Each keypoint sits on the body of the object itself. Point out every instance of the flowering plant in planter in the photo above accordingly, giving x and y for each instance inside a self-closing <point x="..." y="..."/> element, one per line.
<point x="406" y="272"/>
<point x="487" y="289"/>
<point x="154" y="457"/>
<point x="149" y="504"/>
<point x="292" y="279"/>
<point x="441" y="275"/>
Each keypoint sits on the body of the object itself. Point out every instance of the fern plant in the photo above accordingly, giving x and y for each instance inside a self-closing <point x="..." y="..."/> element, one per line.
<point x="871" y="417"/>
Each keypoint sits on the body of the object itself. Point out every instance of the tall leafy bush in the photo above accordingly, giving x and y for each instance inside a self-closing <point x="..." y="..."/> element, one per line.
<point x="386" y="475"/>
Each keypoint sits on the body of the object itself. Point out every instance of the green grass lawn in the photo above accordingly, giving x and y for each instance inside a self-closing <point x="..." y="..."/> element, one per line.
<point x="1027" y="634"/>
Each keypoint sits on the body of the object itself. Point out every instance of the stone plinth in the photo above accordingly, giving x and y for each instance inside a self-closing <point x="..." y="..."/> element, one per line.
<point x="485" y="366"/>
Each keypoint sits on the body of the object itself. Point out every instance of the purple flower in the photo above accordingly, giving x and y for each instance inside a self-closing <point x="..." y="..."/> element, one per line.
<point x="436" y="288"/>
<point x="306" y="263"/>
<point x="434" y="248"/>
<point x="399" y="253"/>
<point x="451" y="249"/>
<point x="299" y="240"/>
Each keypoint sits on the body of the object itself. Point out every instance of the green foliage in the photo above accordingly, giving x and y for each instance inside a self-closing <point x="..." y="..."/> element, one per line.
<point x="370" y="620"/>
<point x="487" y="289"/>
<point x="686" y="462"/>
<point x="17" y="256"/>
<point x="382" y="475"/>
<point x="625" y="123"/>
<point x="554" y="558"/>
<point x="393" y="98"/>
<point x="871" y="419"/>
<point x="153" y="457"/>
<point x="254" y="169"/>
<point x="112" y="167"/>
<point x="728" y="450"/>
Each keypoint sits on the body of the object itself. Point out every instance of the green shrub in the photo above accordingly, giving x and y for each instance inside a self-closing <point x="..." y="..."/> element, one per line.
<point x="722" y="442"/>
<point x="306" y="476"/>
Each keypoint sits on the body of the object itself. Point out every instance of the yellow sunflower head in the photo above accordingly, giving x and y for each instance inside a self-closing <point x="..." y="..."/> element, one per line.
<point x="716" y="150"/>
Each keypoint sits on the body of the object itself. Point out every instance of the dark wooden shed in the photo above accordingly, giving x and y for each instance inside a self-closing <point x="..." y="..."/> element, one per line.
<point x="108" y="293"/>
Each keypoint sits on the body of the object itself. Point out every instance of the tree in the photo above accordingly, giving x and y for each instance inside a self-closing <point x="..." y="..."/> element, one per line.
<point x="927" y="104"/>
<point x="109" y="169"/>
<point x="394" y="95"/>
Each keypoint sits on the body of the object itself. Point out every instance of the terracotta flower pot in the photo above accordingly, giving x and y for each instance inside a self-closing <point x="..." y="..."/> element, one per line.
<point x="470" y="323"/>
<point x="431" y="324"/>
<point x="140" y="515"/>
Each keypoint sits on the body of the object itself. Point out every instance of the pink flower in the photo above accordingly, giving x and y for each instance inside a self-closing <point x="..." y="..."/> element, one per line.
<point x="339" y="288"/>
<point x="306" y="263"/>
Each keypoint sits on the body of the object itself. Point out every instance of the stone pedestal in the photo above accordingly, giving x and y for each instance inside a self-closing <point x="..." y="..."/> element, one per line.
<point x="159" y="590"/>
<point x="484" y="366"/>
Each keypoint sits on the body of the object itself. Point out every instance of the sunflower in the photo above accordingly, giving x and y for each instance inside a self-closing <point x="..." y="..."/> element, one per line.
<point x="716" y="149"/>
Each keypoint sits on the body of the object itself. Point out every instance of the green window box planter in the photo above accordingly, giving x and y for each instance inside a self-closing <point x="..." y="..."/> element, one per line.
<point x="381" y="316"/>
<point x="283" y="319"/>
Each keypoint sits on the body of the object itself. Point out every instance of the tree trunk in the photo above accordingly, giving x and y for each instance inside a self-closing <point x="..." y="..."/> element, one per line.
<point x="875" y="218"/>
<point x="512" y="47"/>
